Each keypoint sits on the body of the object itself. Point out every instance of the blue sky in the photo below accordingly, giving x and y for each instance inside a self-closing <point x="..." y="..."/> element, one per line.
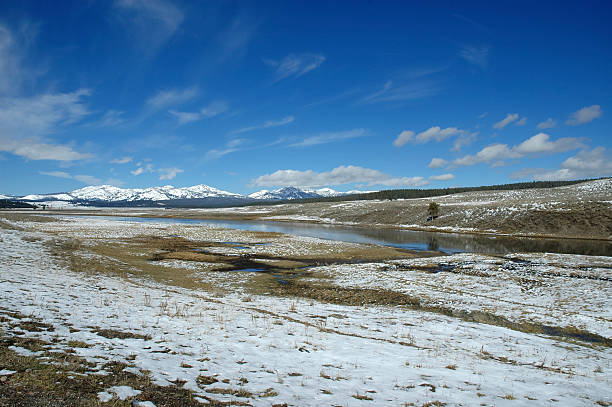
<point x="351" y="95"/>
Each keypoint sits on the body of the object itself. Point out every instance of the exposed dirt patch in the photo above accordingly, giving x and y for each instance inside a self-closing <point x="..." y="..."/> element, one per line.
<point x="112" y="334"/>
<point x="63" y="380"/>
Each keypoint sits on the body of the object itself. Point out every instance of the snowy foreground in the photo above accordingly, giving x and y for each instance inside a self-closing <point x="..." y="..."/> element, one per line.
<point x="267" y="350"/>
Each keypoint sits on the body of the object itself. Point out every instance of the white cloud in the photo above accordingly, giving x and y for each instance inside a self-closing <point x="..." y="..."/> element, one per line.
<point x="168" y="173"/>
<point x="88" y="179"/>
<point x="403" y="138"/>
<point x="477" y="55"/>
<point x="593" y="163"/>
<point x="58" y="174"/>
<point x="521" y="122"/>
<point x="85" y="179"/>
<point x="329" y="137"/>
<point x="463" y="140"/>
<point x="510" y="117"/>
<point x="540" y="143"/>
<point x="165" y="173"/>
<point x="213" y="109"/>
<point x="123" y="160"/>
<point x="296" y="65"/>
<point x="483" y="115"/>
<point x="171" y="97"/>
<point x="442" y="177"/>
<point x="42" y="114"/>
<point x="35" y="150"/>
<point x="25" y="120"/>
<point x="547" y="124"/>
<point x="142" y="169"/>
<point x="488" y="154"/>
<point x="584" y="115"/>
<point x="338" y="176"/>
<point x="266" y="125"/>
<point x="433" y="133"/>
<point x="437" y="163"/>
<point x="437" y="134"/>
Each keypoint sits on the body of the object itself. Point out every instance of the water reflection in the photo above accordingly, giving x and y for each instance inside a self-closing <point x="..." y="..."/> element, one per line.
<point x="409" y="239"/>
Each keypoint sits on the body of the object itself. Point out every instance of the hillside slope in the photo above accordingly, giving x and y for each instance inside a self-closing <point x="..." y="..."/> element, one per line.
<point x="581" y="210"/>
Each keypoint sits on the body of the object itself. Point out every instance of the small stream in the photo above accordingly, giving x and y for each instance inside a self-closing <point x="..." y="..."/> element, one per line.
<point x="407" y="239"/>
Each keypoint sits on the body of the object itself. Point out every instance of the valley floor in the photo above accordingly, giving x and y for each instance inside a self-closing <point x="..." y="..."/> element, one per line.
<point x="96" y="311"/>
<point x="577" y="211"/>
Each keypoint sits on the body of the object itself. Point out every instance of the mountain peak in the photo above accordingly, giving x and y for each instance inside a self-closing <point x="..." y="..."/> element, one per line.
<point x="111" y="193"/>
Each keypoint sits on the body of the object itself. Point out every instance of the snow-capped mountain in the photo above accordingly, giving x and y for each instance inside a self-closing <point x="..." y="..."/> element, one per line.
<point x="293" y="193"/>
<point x="167" y="192"/>
<point x="111" y="195"/>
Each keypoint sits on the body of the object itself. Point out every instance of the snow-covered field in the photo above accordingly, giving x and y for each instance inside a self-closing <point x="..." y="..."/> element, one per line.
<point x="260" y="349"/>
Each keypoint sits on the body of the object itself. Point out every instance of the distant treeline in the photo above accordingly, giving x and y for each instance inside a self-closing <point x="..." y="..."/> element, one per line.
<point x="8" y="204"/>
<point x="391" y="194"/>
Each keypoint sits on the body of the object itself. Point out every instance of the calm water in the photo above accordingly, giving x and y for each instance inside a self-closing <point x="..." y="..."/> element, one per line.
<point x="407" y="239"/>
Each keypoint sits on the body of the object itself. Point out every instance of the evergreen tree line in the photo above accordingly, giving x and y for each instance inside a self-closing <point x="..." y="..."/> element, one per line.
<point x="391" y="194"/>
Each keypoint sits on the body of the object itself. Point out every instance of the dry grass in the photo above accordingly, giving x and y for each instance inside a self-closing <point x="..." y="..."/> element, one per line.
<point x="63" y="379"/>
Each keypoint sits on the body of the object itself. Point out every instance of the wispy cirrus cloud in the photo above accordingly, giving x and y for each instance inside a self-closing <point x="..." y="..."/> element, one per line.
<point x="153" y="22"/>
<point x="471" y="22"/>
<point x="13" y="49"/>
<point x="241" y="144"/>
<point x="235" y="37"/>
<point x="110" y="118"/>
<point x="231" y="146"/>
<point x="475" y="54"/>
<point x="85" y="179"/>
<point x="213" y="109"/>
<point x="393" y="91"/>
<point x="295" y="65"/>
<point x="266" y="125"/>
<point x="171" y="97"/>
<point x="329" y="137"/>
<point x="341" y="175"/>
<point x="585" y="115"/>
<point x="122" y="160"/>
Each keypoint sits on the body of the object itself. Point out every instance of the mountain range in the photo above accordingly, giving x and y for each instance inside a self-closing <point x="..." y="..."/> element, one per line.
<point x="108" y="195"/>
